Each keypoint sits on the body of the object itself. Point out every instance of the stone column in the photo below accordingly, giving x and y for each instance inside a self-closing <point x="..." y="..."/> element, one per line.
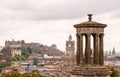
<point x="81" y="48"/>
<point x="78" y="49"/>
<point x="87" y="50"/>
<point x="101" y="54"/>
<point x="96" y="52"/>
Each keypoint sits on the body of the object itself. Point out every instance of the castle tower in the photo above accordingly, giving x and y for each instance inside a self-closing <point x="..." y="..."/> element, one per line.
<point x="70" y="48"/>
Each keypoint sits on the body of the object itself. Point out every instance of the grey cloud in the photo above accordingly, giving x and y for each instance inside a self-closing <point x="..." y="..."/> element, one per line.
<point x="116" y="14"/>
<point x="43" y="18"/>
<point x="54" y="10"/>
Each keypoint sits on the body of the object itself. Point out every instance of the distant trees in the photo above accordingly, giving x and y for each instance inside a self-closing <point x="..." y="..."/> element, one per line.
<point x="6" y="52"/>
<point x="13" y="74"/>
<point x="34" y="73"/>
<point x="115" y="72"/>
<point x="30" y="50"/>
<point x="1" y="65"/>
<point x="35" y="61"/>
<point x="25" y="53"/>
<point x="16" y="58"/>
<point x="8" y="58"/>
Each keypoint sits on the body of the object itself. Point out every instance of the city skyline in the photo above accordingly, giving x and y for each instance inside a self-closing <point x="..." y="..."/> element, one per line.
<point x="50" y="21"/>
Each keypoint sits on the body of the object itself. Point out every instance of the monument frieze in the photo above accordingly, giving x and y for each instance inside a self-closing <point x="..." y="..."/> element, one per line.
<point x="90" y="30"/>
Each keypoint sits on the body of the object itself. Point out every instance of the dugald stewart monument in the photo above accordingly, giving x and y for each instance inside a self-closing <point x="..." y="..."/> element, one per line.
<point x="90" y="61"/>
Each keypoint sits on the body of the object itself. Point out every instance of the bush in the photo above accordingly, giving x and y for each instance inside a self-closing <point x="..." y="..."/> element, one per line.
<point x="34" y="73"/>
<point x="115" y="72"/>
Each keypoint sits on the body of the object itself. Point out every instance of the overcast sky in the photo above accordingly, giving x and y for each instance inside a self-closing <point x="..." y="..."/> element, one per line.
<point x="51" y="21"/>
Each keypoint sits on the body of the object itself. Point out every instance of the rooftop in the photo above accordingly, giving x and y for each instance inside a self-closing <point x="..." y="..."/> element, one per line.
<point x="90" y="23"/>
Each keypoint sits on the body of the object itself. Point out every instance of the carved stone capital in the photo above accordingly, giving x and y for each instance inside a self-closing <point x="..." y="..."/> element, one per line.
<point x="102" y="35"/>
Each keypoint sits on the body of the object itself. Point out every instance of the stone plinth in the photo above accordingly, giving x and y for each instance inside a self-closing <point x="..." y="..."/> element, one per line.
<point x="90" y="71"/>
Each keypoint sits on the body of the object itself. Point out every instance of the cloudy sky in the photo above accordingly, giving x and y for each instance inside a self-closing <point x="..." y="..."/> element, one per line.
<point x="51" y="21"/>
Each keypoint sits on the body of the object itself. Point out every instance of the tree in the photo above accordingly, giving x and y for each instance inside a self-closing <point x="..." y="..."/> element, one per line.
<point x="52" y="76"/>
<point x="29" y="50"/>
<point x="1" y="66"/>
<point x="115" y="72"/>
<point x="25" y="52"/>
<point x="6" y="52"/>
<point x="35" y="61"/>
<point x="26" y="75"/>
<point x="13" y="74"/>
<point x="34" y="73"/>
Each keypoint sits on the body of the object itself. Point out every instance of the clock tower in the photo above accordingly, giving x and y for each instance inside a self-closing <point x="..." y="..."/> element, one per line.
<point x="70" y="49"/>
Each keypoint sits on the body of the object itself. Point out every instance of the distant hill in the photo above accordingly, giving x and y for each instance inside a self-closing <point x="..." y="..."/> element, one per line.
<point x="39" y="48"/>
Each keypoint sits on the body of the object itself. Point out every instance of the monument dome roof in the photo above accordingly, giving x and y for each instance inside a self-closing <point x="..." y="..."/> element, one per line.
<point x="90" y="23"/>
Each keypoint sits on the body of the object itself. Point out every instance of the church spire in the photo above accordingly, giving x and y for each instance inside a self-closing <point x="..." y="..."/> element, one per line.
<point x="113" y="51"/>
<point x="70" y="37"/>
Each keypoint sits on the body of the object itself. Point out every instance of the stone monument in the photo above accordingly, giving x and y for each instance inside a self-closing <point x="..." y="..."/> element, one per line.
<point x="90" y="63"/>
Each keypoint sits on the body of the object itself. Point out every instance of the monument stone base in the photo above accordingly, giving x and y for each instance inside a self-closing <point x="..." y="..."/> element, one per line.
<point x="90" y="71"/>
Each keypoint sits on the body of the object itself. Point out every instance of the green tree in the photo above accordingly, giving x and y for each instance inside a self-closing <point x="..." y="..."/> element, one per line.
<point x="29" y="50"/>
<point x="25" y="52"/>
<point x="13" y="74"/>
<point x="35" y="61"/>
<point x="35" y="73"/>
<point x="52" y="76"/>
<point x="115" y="72"/>
<point x="6" y="52"/>
<point x="26" y="75"/>
<point x="16" y="58"/>
<point x="1" y="66"/>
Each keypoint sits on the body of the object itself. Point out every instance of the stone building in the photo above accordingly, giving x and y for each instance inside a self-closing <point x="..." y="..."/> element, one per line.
<point x="16" y="52"/>
<point x="14" y="43"/>
<point x="70" y="49"/>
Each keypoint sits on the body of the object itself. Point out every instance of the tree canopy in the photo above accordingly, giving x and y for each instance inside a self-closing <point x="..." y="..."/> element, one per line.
<point x="34" y="73"/>
<point x="115" y="72"/>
